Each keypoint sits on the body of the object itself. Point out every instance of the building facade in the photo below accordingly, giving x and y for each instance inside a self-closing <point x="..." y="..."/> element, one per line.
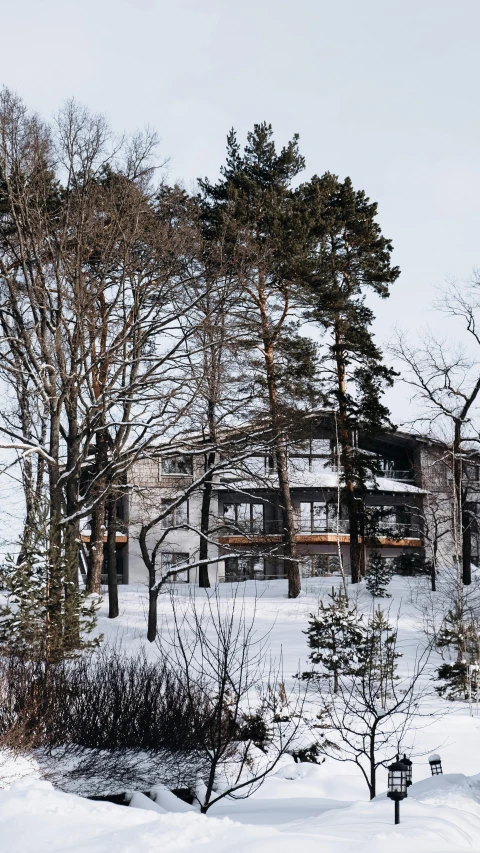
<point x="407" y="511"/>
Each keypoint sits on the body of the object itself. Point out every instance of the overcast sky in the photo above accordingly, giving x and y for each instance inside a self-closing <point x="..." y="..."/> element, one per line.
<point x="385" y="91"/>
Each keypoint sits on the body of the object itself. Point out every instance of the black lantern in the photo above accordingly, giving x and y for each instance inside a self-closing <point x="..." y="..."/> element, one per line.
<point x="397" y="785"/>
<point x="408" y="764"/>
<point x="435" y="765"/>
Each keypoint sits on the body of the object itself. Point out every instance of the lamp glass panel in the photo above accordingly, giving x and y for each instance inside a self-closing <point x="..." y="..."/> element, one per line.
<point x="397" y="781"/>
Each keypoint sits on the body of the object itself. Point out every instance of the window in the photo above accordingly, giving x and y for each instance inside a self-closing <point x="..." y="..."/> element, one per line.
<point x="270" y="464"/>
<point x="386" y="466"/>
<point x="177" y="516"/>
<point x="171" y="561"/>
<point x="318" y="517"/>
<point x="177" y="465"/>
<point x="244" y="568"/>
<point x="387" y="518"/>
<point x="312" y="447"/>
<point x="314" y="455"/>
<point x="318" y="565"/>
<point x="247" y="518"/>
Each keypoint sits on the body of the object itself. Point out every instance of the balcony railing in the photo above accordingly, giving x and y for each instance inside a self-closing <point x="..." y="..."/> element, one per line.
<point x="265" y="528"/>
<point x="342" y="526"/>
<point x="396" y="529"/>
<point x="274" y="527"/>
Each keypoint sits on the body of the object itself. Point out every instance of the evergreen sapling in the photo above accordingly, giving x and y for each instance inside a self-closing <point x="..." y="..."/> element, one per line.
<point x="335" y="636"/>
<point x="378" y="576"/>
<point x="460" y="634"/>
<point x="41" y="618"/>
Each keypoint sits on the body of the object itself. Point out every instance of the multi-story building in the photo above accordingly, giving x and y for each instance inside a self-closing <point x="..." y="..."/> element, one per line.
<point x="409" y="504"/>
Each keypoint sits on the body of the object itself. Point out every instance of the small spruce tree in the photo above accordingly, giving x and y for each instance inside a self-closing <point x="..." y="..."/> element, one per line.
<point x="379" y="575"/>
<point x="379" y="654"/>
<point x="43" y="619"/>
<point x="460" y="634"/>
<point x="335" y="636"/>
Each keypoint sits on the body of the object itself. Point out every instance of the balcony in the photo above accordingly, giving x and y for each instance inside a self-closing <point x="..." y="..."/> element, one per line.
<point x="394" y="532"/>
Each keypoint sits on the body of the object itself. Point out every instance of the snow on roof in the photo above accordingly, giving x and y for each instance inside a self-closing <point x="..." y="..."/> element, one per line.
<point x="320" y="480"/>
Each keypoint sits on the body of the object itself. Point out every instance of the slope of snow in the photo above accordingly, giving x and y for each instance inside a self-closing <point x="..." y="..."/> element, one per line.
<point x="302" y="807"/>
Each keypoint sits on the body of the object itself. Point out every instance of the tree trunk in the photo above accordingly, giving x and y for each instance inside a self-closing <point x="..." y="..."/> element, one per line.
<point x="466" y="546"/>
<point x="112" y="558"/>
<point x="203" y="579"/>
<point x="72" y="536"/>
<point x="54" y="616"/>
<point x="463" y="525"/>
<point x="353" y="526"/>
<point x="95" y="554"/>
<point x="346" y="454"/>
<point x="289" y="535"/>
<point x="373" y="770"/>
<point x="152" y="613"/>
<point x="288" y="522"/>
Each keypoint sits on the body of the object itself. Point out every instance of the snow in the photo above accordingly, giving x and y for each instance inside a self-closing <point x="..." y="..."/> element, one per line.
<point x="442" y="816"/>
<point x="321" y="479"/>
<point x="303" y="807"/>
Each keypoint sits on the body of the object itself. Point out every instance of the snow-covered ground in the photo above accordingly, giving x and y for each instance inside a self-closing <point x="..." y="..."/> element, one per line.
<point x="441" y="815"/>
<point x="301" y="806"/>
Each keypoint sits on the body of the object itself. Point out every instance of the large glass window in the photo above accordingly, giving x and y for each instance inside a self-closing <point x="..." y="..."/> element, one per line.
<point x="319" y="565"/>
<point x="318" y="517"/>
<point x="245" y="567"/>
<point x="387" y="519"/>
<point x="386" y="466"/>
<point x="246" y="518"/>
<point x="314" y="456"/>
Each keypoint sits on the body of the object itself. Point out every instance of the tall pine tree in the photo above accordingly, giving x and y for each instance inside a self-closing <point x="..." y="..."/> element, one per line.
<point x="253" y="210"/>
<point x="349" y="256"/>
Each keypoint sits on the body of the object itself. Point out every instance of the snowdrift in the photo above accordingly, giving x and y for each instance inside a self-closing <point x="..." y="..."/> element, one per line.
<point x="441" y="815"/>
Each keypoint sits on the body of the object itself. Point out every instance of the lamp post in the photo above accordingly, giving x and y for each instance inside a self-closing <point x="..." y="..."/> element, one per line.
<point x="397" y="785"/>
<point x="408" y="764"/>
<point x="435" y="765"/>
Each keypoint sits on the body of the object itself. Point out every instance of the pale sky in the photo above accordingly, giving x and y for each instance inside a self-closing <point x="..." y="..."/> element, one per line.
<point x="385" y="91"/>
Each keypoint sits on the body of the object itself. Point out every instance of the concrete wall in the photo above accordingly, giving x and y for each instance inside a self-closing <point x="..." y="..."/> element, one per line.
<point x="149" y="487"/>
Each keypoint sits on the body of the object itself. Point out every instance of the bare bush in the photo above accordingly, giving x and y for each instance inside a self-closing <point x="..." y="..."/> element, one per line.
<point x="246" y="720"/>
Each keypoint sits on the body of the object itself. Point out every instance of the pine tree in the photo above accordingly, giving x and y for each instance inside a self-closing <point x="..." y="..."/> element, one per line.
<point x="255" y="213"/>
<point x="41" y="616"/>
<point x="379" y="575"/>
<point x="349" y="255"/>
<point x="335" y="636"/>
